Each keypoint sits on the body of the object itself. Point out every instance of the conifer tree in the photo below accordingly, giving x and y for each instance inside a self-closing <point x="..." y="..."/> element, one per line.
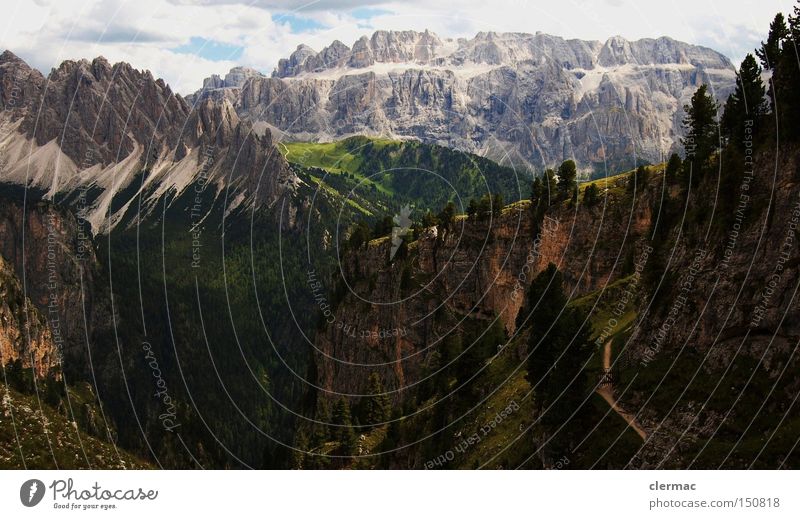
<point x="497" y="204"/>
<point x="786" y="78"/>
<point x="770" y="51"/>
<point x="673" y="168"/>
<point x="377" y="406"/>
<point x="746" y="105"/>
<point x="567" y="173"/>
<point x="702" y="131"/>
<point x="558" y="346"/>
<point x="537" y="191"/>
<point x="342" y="429"/>
<point x="472" y="208"/>
<point x="591" y="195"/>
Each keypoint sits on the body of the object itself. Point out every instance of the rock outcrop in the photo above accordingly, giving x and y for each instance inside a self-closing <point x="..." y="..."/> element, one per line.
<point x="219" y="88"/>
<point x="25" y="336"/>
<point x="52" y="252"/>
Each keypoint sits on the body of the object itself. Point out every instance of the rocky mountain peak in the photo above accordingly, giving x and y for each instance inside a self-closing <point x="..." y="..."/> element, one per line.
<point x="8" y="57"/>
<point x="19" y="83"/>
<point x="100" y="113"/>
<point x="296" y="61"/>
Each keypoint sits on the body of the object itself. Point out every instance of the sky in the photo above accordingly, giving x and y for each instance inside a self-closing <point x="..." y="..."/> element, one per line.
<point x="184" y="41"/>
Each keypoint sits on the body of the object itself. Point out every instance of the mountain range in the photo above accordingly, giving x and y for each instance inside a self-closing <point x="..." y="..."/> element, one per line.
<point x="521" y="99"/>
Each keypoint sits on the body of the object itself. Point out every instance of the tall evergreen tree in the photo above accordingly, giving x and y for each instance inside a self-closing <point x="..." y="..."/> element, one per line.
<point x="447" y="216"/>
<point x="558" y="346"/>
<point x="497" y="204"/>
<point x="770" y="51"/>
<point x="702" y="131"/>
<point x="344" y="433"/>
<point x="550" y="184"/>
<point x="537" y="191"/>
<point x="472" y="208"/>
<point x="746" y="105"/>
<point x="673" y="167"/>
<point x="591" y="195"/>
<point x="377" y="406"/>
<point x="637" y="181"/>
<point x="567" y="172"/>
<point x="786" y="78"/>
<point x="539" y="200"/>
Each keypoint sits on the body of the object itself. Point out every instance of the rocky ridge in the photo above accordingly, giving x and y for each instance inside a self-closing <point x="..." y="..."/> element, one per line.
<point x="90" y="129"/>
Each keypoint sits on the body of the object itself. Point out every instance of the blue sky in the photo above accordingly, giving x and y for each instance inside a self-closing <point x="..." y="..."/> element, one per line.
<point x="210" y="49"/>
<point x="184" y="41"/>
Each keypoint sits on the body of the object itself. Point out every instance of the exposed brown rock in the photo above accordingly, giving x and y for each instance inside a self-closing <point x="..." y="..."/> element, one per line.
<point x="24" y="333"/>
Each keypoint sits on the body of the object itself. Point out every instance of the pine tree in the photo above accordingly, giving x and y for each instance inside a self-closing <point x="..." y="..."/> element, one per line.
<point x="472" y="208"/>
<point x="537" y="191"/>
<point x="447" y="216"/>
<point x="673" y="168"/>
<point x="591" y="195"/>
<point x="702" y="131"/>
<point x="769" y="53"/>
<point x="545" y="301"/>
<point x="359" y="235"/>
<point x="484" y="206"/>
<point x="377" y="406"/>
<point x="342" y="429"/>
<point x="786" y="78"/>
<point x="550" y="184"/>
<point x="497" y="204"/>
<point x="567" y="173"/>
<point x="558" y="346"/>
<point x="539" y="200"/>
<point x="746" y="105"/>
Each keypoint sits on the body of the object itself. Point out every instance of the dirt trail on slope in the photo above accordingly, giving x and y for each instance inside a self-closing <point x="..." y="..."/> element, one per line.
<point x="607" y="392"/>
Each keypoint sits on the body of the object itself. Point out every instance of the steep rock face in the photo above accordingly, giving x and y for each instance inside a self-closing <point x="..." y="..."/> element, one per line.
<point x="20" y="85"/>
<point x="50" y="250"/>
<point x="98" y="112"/>
<point x="731" y="307"/>
<point x="393" y="320"/>
<point x="530" y="99"/>
<point x="219" y="88"/>
<point x="243" y="158"/>
<point x="24" y="332"/>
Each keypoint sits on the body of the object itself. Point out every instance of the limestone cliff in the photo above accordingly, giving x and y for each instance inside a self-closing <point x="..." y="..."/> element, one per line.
<point x="24" y="333"/>
<point x="51" y="251"/>
<point x="394" y="314"/>
<point x="522" y="98"/>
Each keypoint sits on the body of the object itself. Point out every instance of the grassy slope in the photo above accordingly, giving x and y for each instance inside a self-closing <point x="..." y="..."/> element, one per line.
<point x="47" y="439"/>
<point x="377" y="176"/>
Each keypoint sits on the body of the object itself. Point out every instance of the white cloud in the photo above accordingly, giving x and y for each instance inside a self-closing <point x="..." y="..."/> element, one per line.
<point x="143" y="31"/>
